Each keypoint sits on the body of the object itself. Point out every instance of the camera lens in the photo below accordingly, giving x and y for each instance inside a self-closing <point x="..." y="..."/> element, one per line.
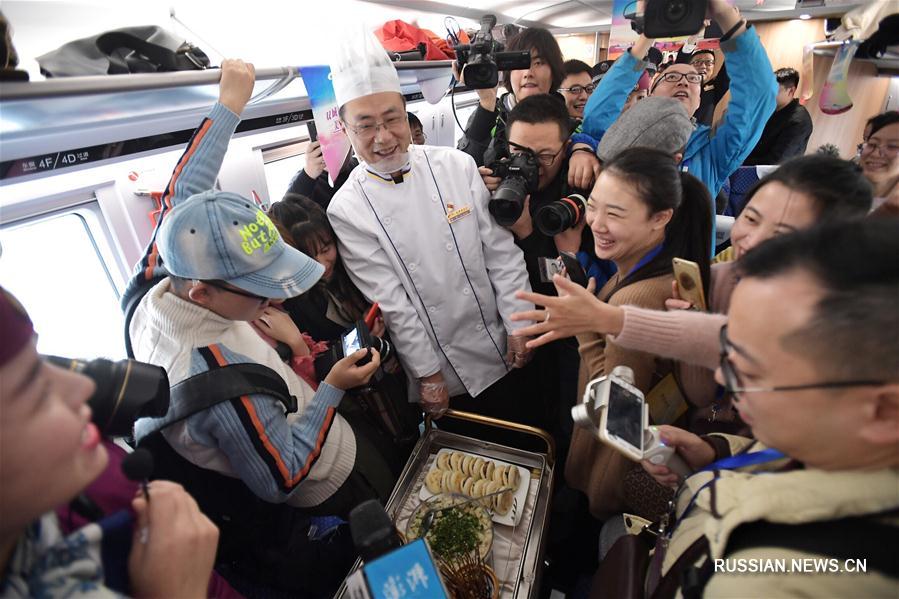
<point x="508" y="201"/>
<point x="560" y="215"/>
<point x="126" y="390"/>
<point x="676" y="10"/>
<point x="383" y="348"/>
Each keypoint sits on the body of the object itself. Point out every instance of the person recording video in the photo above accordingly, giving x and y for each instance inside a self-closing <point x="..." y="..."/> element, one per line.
<point x="50" y="452"/>
<point x="488" y="125"/>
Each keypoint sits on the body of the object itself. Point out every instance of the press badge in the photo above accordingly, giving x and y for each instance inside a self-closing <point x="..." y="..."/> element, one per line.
<point x="666" y="402"/>
<point x="454" y="215"/>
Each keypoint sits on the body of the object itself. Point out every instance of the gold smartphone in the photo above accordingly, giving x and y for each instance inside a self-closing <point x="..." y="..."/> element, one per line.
<point x="689" y="282"/>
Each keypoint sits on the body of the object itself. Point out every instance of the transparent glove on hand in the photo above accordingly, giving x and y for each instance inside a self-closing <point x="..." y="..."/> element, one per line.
<point x="434" y="398"/>
<point x="519" y="354"/>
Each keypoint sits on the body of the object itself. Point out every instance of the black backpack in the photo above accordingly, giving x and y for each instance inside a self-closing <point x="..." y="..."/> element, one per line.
<point x="262" y="546"/>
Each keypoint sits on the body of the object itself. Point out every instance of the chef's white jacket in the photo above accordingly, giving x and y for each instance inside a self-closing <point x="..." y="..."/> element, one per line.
<point x="444" y="273"/>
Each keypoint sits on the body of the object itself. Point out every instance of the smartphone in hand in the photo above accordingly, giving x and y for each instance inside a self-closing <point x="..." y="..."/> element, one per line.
<point x="689" y="282"/>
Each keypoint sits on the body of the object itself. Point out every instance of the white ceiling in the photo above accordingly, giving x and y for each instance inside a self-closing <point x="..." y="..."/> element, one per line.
<point x="590" y="14"/>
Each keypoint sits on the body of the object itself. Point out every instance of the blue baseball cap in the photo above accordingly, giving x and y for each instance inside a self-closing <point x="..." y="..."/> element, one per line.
<point x="217" y="235"/>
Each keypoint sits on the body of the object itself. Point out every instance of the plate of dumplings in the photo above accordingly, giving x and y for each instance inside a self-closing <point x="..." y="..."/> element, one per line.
<point x="475" y="476"/>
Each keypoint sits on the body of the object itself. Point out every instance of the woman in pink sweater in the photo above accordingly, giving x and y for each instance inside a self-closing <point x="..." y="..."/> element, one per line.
<point x="805" y="191"/>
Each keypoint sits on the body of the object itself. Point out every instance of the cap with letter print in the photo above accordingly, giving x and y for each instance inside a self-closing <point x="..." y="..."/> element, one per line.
<point x="218" y="235"/>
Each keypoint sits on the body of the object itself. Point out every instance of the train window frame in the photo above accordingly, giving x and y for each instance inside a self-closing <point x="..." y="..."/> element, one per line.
<point x="87" y="211"/>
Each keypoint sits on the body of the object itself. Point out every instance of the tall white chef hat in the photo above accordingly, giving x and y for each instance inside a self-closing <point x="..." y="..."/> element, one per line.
<point x="360" y="66"/>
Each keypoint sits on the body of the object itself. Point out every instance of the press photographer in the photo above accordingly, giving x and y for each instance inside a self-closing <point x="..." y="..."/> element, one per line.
<point x="487" y="129"/>
<point x="531" y="193"/>
<point x="50" y="453"/>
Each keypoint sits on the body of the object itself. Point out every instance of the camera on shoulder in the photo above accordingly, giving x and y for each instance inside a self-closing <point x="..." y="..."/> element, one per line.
<point x="482" y="60"/>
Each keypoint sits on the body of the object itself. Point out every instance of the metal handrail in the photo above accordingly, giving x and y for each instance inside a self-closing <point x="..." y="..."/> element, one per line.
<point x="104" y="84"/>
<point x="506" y="424"/>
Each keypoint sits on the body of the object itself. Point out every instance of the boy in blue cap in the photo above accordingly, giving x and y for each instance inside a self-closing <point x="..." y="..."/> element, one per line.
<point x="215" y="263"/>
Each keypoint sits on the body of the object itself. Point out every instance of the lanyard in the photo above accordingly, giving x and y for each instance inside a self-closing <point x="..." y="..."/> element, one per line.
<point x="745" y="459"/>
<point x="730" y="463"/>
<point x="646" y="259"/>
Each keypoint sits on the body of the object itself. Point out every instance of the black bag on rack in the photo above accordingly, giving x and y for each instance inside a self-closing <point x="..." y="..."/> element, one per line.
<point x="144" y="49"/>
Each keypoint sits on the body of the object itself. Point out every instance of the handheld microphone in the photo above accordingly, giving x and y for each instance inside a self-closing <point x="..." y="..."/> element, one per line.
<point x="137" y="466"/>
<point x="372" y="531"/>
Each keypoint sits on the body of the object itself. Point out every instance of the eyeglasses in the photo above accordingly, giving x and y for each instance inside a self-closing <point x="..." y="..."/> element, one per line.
<point x="708" y="63"/>
<point x="694" y="78"/>
<point x="394" y="124"/>
<point x="545" y="158"/>
<point x="734" y="385"/>
<point x="887" y="150"/>
<point x="221" y="285"/>
<point x="578" y="89"/>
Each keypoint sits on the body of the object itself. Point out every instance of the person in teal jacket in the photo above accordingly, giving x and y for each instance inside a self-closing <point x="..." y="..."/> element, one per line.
<point x="710" y="155"/>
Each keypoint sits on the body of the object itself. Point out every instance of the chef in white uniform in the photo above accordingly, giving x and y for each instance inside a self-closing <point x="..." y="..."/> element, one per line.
<point x="415" y="235"/>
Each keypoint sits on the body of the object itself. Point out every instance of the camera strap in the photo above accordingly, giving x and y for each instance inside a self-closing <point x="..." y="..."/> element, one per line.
<point x="220" y="384"/>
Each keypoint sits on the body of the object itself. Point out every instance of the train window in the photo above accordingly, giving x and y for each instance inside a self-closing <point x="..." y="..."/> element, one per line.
<point x="279" y="173"/>
<point x="54" y="267"/>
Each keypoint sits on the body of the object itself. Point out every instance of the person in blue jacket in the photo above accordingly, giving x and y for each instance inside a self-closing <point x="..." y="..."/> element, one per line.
<point x="710" y="155"/>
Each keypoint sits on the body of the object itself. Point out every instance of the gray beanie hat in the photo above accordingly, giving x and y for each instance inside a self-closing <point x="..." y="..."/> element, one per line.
<point x="654" y="122"/>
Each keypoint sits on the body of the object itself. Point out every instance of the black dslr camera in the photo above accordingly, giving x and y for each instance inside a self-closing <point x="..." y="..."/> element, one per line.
<point x="520" y="174"/>
<point x="673" y="18"/>
<point x="126" y="390"/>
<point x="482" y="60"/>
<point x="359" y="337"/>
<point x="555" y="217"/>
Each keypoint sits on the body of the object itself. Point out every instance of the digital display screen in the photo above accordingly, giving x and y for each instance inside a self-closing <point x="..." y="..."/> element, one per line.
<point x="625" y="416"/>
<point x="351" y="342"/>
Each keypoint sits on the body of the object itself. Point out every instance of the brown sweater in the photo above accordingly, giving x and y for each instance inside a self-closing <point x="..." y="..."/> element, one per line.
<point x="592" y="467"/>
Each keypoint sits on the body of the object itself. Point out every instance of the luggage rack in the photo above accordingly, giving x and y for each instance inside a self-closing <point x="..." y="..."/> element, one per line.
<point x="520" y="573"/>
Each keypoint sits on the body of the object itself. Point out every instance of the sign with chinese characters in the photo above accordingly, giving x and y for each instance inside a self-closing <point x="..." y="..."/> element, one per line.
<point x="407" y="573"/>
<point x="335" y="144"/>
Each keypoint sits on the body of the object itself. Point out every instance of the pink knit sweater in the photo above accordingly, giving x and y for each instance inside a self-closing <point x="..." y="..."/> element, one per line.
<point x="684" y="335"/>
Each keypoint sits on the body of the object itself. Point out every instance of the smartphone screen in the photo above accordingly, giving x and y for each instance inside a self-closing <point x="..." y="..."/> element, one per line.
<point x="351" y="342"/>
<point x="625" y="416"/>
<point x="313" y="132"/>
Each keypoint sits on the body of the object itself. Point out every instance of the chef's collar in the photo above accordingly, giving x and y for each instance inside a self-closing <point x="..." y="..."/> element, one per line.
<point x="404" y="174"/>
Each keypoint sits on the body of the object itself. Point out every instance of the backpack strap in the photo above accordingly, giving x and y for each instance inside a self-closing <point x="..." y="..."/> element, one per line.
<point x="142" y="288"/>
<point x="224" y="383"/>
<point x="859" y="537"/>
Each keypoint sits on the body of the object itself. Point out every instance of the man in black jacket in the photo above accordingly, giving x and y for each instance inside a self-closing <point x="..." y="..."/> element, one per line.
<point x="787" y="132"/>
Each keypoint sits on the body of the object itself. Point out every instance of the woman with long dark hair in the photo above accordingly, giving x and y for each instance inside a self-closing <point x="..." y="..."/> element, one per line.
<point x="333" y="306"/>
<point x="643" y="212"/>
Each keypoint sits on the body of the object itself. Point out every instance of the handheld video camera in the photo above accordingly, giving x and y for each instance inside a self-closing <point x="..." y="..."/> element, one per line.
<point x="563" y="214"/>
<point x="126" y="390"/>
<point x="520" y="174"/>
<point x="618" y="415"/>
<point x="358" y="337"/>
<point x="673" y="18"/>
<point x="482" y="60"/>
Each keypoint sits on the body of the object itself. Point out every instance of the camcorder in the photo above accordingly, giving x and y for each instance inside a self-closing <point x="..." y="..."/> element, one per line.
<point x="482" y="60"/>
<point x="358" y="337"/>
<point x="126" y="390"/>
<point x="520" y="174"/>
<point x="616" y="412"/>
<point x="673" y="18"/>
<point x="563" y="214"/>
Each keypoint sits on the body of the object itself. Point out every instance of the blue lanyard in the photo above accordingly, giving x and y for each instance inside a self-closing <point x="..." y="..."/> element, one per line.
<point x="745" y="459"/>
<point x="646" y="259"/>
<point x="729" y="463"/>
